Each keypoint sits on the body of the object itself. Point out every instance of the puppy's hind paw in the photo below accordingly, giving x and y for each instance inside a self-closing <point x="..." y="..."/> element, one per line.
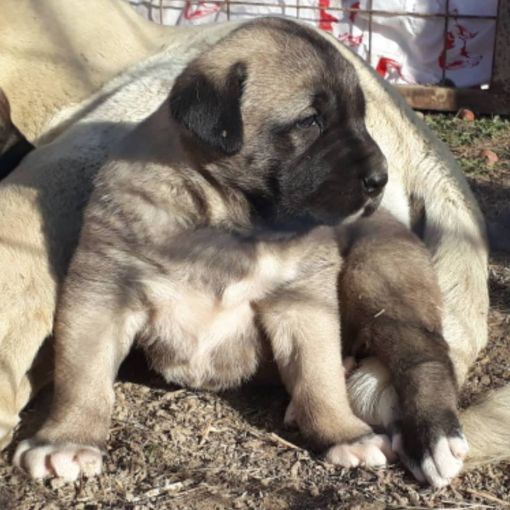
<point x="67" y="461"/>
<point x="371" y="451"/>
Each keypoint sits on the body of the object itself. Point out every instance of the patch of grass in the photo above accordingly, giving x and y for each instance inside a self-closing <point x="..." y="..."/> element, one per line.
<point x="468" y="139"/>
<point x="455" y="131"/>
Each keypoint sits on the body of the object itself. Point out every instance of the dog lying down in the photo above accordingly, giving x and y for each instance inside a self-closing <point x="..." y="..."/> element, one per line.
<point x="222" y="233"/>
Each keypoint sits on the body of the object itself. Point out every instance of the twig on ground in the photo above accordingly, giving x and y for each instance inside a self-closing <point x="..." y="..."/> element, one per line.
<point x="489" y="497"/>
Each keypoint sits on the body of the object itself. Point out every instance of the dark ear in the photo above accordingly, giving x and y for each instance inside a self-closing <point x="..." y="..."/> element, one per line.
<point x="211" y="110"/>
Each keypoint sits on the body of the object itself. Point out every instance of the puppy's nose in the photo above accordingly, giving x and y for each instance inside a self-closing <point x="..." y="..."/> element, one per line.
<point x="375" y="182"/>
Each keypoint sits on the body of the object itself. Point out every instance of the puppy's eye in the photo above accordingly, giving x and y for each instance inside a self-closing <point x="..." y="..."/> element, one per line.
<point x="308" y="122"/>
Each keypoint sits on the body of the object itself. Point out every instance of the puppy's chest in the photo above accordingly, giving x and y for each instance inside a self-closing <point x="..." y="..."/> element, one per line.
<point x="202" y="337"/>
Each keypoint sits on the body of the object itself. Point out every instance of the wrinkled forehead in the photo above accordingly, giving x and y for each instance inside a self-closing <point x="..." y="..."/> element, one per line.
<point x="290" y="64"/>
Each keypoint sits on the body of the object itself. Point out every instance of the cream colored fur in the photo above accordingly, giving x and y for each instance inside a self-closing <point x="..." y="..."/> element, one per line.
<point x="40" y="202"/>
<point x="59" y="52"/>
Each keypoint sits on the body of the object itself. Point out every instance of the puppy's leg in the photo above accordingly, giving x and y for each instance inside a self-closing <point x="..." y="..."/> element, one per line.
<point x="427" y="434"/>
<point x="92" y="339"/>
<point x="303" y="327"/>
<point x="390" y="305"/>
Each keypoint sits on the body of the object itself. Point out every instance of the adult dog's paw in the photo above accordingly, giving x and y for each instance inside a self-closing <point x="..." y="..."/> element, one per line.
<point x="432" y="447"/>
<point x="373" y="451"/>
<point x="67" y="461"/>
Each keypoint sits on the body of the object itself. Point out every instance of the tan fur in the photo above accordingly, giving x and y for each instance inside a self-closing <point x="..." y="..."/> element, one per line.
<point x="486" y="427"/>
<point x="63" y="51"/>
<point x="418" y="164"/>
<point x="153" y="249"/>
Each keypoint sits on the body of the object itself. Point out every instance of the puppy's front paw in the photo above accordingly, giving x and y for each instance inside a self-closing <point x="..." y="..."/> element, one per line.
<point x="432" y="448"/>
<point x="67" y="461"/>
<point x="373" y="451"/>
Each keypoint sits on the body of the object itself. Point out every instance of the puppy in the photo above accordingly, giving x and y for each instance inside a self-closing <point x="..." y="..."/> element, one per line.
<point x="208" y="241"/>
<point x="391" y="306"/>
<point x="13" y="145"/>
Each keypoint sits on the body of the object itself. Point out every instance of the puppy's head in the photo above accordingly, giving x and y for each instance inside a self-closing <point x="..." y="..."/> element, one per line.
<point x="279" y="114"/>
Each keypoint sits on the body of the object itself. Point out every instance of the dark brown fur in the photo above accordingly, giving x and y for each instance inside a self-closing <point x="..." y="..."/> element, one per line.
<point x="391" y="309"/>
<point x="13" y="145"/>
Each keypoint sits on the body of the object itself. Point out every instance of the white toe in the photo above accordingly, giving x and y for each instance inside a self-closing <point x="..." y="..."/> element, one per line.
<point x="341" y="455"/>
<point x="431" y="473"/>
<point x="448" y="465"/>
<point x="459" y="446"/>
<point x="20" y="450"/>
<point x="374" y="457"/>
<point x="371" y="451"/>
<point x="66" y="461"/>
<point x="290" y="416"/>
<point x="33" y="459"/>
<point x="64" y="465"/>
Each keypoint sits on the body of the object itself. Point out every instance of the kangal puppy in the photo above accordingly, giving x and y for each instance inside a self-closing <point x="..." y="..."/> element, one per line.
<point x="206" y="242"/>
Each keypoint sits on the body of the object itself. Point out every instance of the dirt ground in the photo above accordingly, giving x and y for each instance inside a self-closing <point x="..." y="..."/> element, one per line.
<point x="178" y="449"/>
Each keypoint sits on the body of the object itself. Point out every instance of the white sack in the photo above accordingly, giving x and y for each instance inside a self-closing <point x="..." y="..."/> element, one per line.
<point x="404" y="49"/>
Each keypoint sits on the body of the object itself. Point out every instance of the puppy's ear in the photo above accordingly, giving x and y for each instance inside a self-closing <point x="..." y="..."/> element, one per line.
<point x="211" y="109"/>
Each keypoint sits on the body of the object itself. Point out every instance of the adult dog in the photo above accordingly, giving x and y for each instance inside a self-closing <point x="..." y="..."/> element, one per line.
<point x="42" y="202"/>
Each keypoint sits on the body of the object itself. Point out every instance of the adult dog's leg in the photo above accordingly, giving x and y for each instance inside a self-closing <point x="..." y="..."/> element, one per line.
<point x="27" y="302"/>
<point x="92" y="338"/>
<point x="16" y="385"/>
<point x="303" y="327"/>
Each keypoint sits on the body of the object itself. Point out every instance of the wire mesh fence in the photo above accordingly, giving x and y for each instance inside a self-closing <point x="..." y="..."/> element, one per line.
<point x="443" y="54"/>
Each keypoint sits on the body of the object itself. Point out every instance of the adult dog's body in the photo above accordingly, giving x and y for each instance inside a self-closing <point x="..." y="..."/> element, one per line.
<point x="42" y="202"/>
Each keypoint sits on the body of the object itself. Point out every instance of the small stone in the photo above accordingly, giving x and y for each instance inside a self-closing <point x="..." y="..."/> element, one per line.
<point x="466" y="115"/>
<point x="57" y="483"/>
<point x="314" y="491"/>
<point x="490" y="157"/>
<point x="485" y="380"/>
